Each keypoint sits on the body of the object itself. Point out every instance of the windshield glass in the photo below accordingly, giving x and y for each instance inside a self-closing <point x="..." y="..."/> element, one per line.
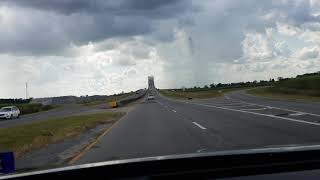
<point x="5" y="109"/>
<point x="108" y="80"/>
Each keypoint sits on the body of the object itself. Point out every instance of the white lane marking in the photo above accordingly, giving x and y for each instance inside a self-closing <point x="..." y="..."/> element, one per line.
<point x="200" y="150"/>
<point x="167" y="107"/>
<point x="255" y="113"/>
<point x="318" y="115"/>
<point x="228" y="104"/>
<point x="242" y="106"/>
<point x="227" y="97"/>
<point x="297" y="114"/>
<point x="256" y="109"/>
<point x="201" y="127"/>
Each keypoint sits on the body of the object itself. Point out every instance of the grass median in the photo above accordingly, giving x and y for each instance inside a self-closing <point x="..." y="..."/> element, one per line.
<point x="31" y="107"/>
<point x="111" y="98"/>
<point x="305" y="87"/>
<point x="285" y="93"/>
<point x="25" y="138"/>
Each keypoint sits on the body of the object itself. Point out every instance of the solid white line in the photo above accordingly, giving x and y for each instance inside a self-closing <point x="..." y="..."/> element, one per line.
<point x="256" y="109"/>
<point x="200" y="150"/>
<point x="201" y="127"/>
<point x="318" y="115"/>
<point x="297" y="114"/>
<point x="174" y="110"/>
<point x="267" y="115"/>
<point x="228" y="104"/>
<point x="240" y="106"/>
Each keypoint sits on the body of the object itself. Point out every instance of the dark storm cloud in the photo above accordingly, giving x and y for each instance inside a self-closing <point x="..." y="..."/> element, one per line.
<point x="51" y="26"/>
<point x="153" y="8"/>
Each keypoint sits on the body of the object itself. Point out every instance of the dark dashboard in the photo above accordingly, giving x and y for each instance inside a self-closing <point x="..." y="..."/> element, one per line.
<point x="302" y="162"/>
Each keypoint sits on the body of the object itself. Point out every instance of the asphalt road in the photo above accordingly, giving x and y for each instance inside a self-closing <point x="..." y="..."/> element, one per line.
<point x="164" y="126"/>
<point x="63" y="111"/>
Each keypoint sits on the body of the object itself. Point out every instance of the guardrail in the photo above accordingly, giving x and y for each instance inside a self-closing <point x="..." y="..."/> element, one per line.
<point x="132" y="98"/>
<point x="7" y="163"/>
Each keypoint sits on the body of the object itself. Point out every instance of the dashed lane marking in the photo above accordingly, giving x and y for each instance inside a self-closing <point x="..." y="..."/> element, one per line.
<point x="201" y="127"/>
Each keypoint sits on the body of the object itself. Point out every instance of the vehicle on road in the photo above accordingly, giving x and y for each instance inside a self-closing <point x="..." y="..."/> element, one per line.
<point x="9" y="112"/>
<point x="150" y="97"/>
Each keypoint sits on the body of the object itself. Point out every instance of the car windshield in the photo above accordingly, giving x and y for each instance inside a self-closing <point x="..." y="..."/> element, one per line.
<point x="97" y="80"/>
<point x="5" y="109"/>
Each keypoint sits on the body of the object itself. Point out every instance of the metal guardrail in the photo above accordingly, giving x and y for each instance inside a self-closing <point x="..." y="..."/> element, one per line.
<point x="132" y="98"/>
<point x="7" y="163"/>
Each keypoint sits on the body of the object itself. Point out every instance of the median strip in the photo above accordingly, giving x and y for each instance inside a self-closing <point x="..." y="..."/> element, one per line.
<point x="25" y="138"/>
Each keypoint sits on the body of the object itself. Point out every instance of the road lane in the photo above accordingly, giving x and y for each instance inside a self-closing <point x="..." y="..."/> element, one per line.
<point x="148" y="130"/>
<point x="247" y="130"/>
<point x="311" y="107"/>
<point x="168" y="126"/>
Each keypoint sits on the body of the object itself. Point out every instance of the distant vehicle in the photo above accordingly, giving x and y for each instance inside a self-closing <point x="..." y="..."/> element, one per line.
<point x="9" y="112"/>
<point x="150" y="97"/>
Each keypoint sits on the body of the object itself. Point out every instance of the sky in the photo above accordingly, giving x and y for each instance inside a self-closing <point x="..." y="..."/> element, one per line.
<point x="81" y="47"/>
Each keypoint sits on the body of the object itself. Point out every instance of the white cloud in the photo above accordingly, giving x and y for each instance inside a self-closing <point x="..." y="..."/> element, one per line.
<point x="287" y="29"/>
<point x="308" y="53"/>
<point x="62" y="53"/>
<point x="258" y="46"/>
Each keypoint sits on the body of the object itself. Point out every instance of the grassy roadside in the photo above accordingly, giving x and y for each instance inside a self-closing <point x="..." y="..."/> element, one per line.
<point x="283" y="93"/>
<point x="25" y="138"/>
<point x="198" y="94"/>
<point x="303" y="87"/>
<point x="112" y="98"/>
<point x="30" y="107"/>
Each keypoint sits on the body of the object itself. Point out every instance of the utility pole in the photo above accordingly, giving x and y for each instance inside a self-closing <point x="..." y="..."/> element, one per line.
<point x="27" y="95"/>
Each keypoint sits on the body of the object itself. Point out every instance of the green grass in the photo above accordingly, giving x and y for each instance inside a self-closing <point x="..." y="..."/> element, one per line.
<point x="302" y="83"/>
<point x="94" y="103"/>
<point x="30" y="108"/>
<point x="111" y="98"/>
<point x="301" y="88"/>
<point x="201" y="94"/>
<point x="25" y="138"/>
<point x="284" y="93"/>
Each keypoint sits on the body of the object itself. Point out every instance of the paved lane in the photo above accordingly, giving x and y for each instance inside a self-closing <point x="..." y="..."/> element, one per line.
<point x="311" y="107"/>
<point x="166" y="126"/>
<point x="148" y="130"/>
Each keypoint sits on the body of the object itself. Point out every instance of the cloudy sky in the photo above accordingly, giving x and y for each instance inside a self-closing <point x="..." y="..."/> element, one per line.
<point x="80" y="47"/>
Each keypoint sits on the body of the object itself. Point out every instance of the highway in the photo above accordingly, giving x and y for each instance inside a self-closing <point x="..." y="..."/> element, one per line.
<point x="60" y="112"/>
<point x="237" y="121"/>
<point x="65" y="110"/>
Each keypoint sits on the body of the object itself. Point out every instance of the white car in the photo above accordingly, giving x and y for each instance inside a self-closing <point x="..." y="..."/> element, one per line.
<point x="9" y="112"/>
<point x="150" y="97"/>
